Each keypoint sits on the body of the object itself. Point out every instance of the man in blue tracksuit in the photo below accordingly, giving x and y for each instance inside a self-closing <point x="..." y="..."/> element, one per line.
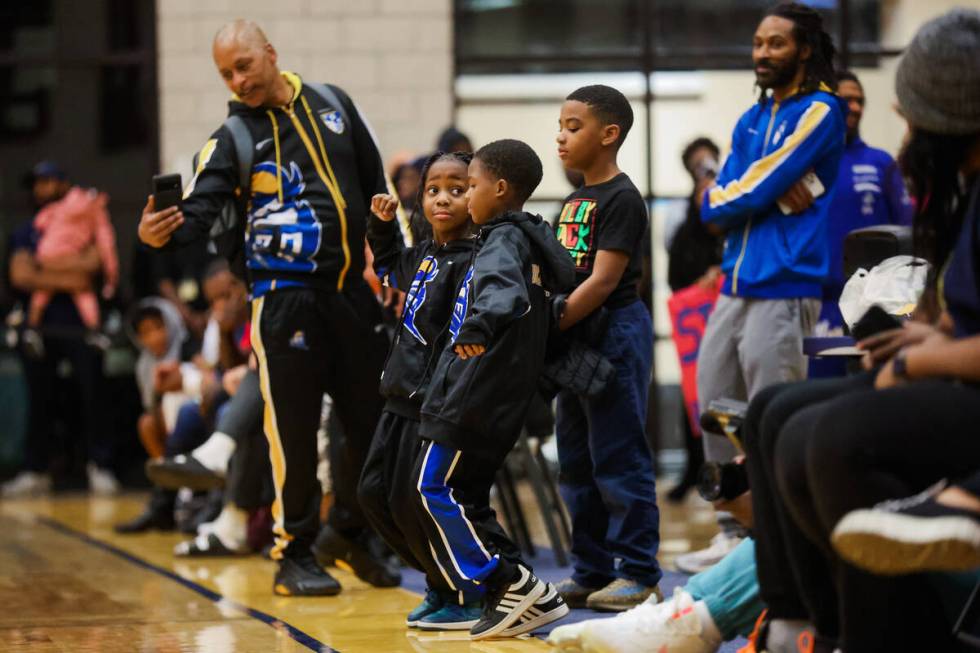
<point x="776" y="259"/>
<point x="870" y="191"/>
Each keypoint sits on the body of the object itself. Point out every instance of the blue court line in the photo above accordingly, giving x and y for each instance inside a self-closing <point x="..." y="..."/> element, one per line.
<point x="293" y="632"/>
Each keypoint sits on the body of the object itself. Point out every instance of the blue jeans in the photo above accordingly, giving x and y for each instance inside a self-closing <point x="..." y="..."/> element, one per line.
<point x="607" y="476"/>
<point x="190" y="430"/>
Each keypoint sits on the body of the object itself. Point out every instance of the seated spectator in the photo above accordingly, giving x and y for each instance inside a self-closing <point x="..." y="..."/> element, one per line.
<point x="60" y="336"/>
<point x="818" y="451"/>
<point x="935" y="530"/>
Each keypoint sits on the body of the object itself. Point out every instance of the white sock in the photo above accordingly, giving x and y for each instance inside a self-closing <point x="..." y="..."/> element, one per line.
<point x="231" y="527"/>
<point x="709" y="630"/>
<point x="216" y="452"/>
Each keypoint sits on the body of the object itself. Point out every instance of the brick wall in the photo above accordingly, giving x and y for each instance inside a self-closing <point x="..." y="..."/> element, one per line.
<point x="394" y="58"/>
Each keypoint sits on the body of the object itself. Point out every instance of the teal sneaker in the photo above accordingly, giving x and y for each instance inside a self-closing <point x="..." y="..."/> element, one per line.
<point x="452" y="617"/>
<point x="431" y="603"/>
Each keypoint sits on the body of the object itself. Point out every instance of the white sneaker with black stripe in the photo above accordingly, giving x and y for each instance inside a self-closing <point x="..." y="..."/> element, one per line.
<point x="550" y="607"/>
<point x="504" y="606"/>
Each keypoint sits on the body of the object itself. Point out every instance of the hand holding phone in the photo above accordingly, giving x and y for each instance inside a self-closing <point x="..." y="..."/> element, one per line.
<point x="158" y="224"/>
<point x="801" y="195"/>
<point x="875" y="320"/>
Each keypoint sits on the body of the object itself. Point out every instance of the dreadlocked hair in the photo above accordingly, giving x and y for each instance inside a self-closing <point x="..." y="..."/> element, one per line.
<point x="808" y="31"/>
<point x="931" y="162"/>
<point x="421" y="229"/>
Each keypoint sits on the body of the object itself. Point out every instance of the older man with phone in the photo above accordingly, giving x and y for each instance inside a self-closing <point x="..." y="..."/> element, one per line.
<point x="303" y="200"/>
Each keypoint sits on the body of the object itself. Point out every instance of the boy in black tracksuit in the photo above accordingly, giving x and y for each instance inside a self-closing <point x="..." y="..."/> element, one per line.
<point x="480" y="391"/>
<point x="431" y="275"/>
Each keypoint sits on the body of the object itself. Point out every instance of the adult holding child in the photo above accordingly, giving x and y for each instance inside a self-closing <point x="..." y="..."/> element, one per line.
<point x="315" y="322"/>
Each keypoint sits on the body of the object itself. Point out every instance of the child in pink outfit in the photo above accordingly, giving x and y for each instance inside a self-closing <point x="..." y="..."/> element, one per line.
<point x="66" y="228"/>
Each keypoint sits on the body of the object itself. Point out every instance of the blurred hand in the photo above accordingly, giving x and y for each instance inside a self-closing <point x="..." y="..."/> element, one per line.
<point x="167" y="377"/>
<point x="232" y="379"/>
<point x="740" y="507"/>
<point x="469" y="351"/>
<point x="709" y="279"/>
<point x="156" y="227"/>
<point x="384" y="206"/>
<point x="882" y="346"/>
<point x="798" y="198"/>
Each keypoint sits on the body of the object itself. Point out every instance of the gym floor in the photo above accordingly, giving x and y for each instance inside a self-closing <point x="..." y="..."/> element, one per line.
<point x="69" y="583"/>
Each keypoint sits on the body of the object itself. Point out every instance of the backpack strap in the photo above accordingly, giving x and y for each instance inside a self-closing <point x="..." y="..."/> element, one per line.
<point x="242" y="139"/>
<point x="327" y="92"/>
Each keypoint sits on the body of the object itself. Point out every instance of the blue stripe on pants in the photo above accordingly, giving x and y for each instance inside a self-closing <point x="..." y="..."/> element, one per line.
<point x="471" y="561"/>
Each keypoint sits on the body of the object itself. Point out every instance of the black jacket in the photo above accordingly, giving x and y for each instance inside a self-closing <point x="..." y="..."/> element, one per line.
<point x="480" y="403"/>
<point x="431" y="276"/>
<point x="312" y="180"/>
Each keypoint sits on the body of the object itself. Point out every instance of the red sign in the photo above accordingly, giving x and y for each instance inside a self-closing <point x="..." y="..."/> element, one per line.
<point x="689" y="311"/>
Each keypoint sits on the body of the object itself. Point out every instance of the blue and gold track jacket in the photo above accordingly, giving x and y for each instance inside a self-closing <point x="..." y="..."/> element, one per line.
<point x="769" y="254"/>
<point x="312" y="179"/>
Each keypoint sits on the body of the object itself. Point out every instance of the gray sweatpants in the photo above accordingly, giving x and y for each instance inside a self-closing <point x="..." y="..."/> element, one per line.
<point x="750" y="344"/>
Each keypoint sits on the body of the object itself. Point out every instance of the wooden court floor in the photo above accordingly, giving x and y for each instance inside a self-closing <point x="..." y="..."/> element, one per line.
<point x="68" y="583"/>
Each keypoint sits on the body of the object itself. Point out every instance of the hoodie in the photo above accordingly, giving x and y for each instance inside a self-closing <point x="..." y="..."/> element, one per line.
<point x="176" y="339"/>
<point x="431" y="276"/>
<point x="480" y="404"/>
<point x="769" y="255"/>
<point x="313" y="176"/>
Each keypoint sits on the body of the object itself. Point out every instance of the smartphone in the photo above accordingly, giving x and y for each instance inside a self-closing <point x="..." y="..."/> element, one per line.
<point x="167" y="191"/>
<point x="874" y="321"/>
<point x="813" y="184"/>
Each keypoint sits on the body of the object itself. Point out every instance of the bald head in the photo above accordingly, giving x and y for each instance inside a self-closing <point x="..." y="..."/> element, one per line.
<point x="248" y="64"/>
<point x="242" y="33"/>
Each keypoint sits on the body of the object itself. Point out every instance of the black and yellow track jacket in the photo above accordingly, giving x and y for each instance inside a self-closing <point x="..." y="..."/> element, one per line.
<point x="313" y="176"/>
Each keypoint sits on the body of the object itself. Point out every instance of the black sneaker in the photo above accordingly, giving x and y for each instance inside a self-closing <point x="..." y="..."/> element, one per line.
<point x="182" y="471"/>
<point x="332" y="548"/>
<point x="301" y="575"/>
<point x="910" y="535"/>
<point x="550" y="607"/>
<point x="506" y="604"/>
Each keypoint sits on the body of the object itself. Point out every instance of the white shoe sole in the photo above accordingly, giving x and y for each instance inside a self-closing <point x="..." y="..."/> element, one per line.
<point x="534" y="623"/>
<point x="451" y="625"/>
<point x="892" y="543"/>
<point x="529" y="599"/>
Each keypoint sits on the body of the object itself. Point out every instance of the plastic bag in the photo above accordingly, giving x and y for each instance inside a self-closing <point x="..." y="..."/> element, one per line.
<point x="895" y="284"/>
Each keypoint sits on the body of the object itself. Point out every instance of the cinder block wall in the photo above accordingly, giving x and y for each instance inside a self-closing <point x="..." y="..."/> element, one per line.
<point x="394" y="57"/>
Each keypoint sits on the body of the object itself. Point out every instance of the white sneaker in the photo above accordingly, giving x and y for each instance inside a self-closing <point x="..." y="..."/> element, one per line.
<point x="568" y="638"/>
<point x="26" y="484"/>
<point x="698" y="561"/>
<point x="101" y="482"/>
<point x="651" y="629"/>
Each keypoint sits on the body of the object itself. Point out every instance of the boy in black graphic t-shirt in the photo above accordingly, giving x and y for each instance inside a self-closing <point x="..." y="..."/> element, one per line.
<point x="606" y="466"/>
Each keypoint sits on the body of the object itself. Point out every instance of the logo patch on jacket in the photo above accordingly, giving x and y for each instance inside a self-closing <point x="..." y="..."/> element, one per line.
<point x="298" y="341"/>
<point x="427" y="272"/>
<point x="779" y="133"/>
<point x="460" y="307"/>
<point x="333" y="120"/>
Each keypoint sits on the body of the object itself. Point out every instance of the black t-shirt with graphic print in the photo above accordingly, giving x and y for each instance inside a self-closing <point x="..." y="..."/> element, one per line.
<point x="611" y="216"/>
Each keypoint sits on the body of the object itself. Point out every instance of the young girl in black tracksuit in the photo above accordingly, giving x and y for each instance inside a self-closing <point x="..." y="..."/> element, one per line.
<point x="430" y="274"/>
